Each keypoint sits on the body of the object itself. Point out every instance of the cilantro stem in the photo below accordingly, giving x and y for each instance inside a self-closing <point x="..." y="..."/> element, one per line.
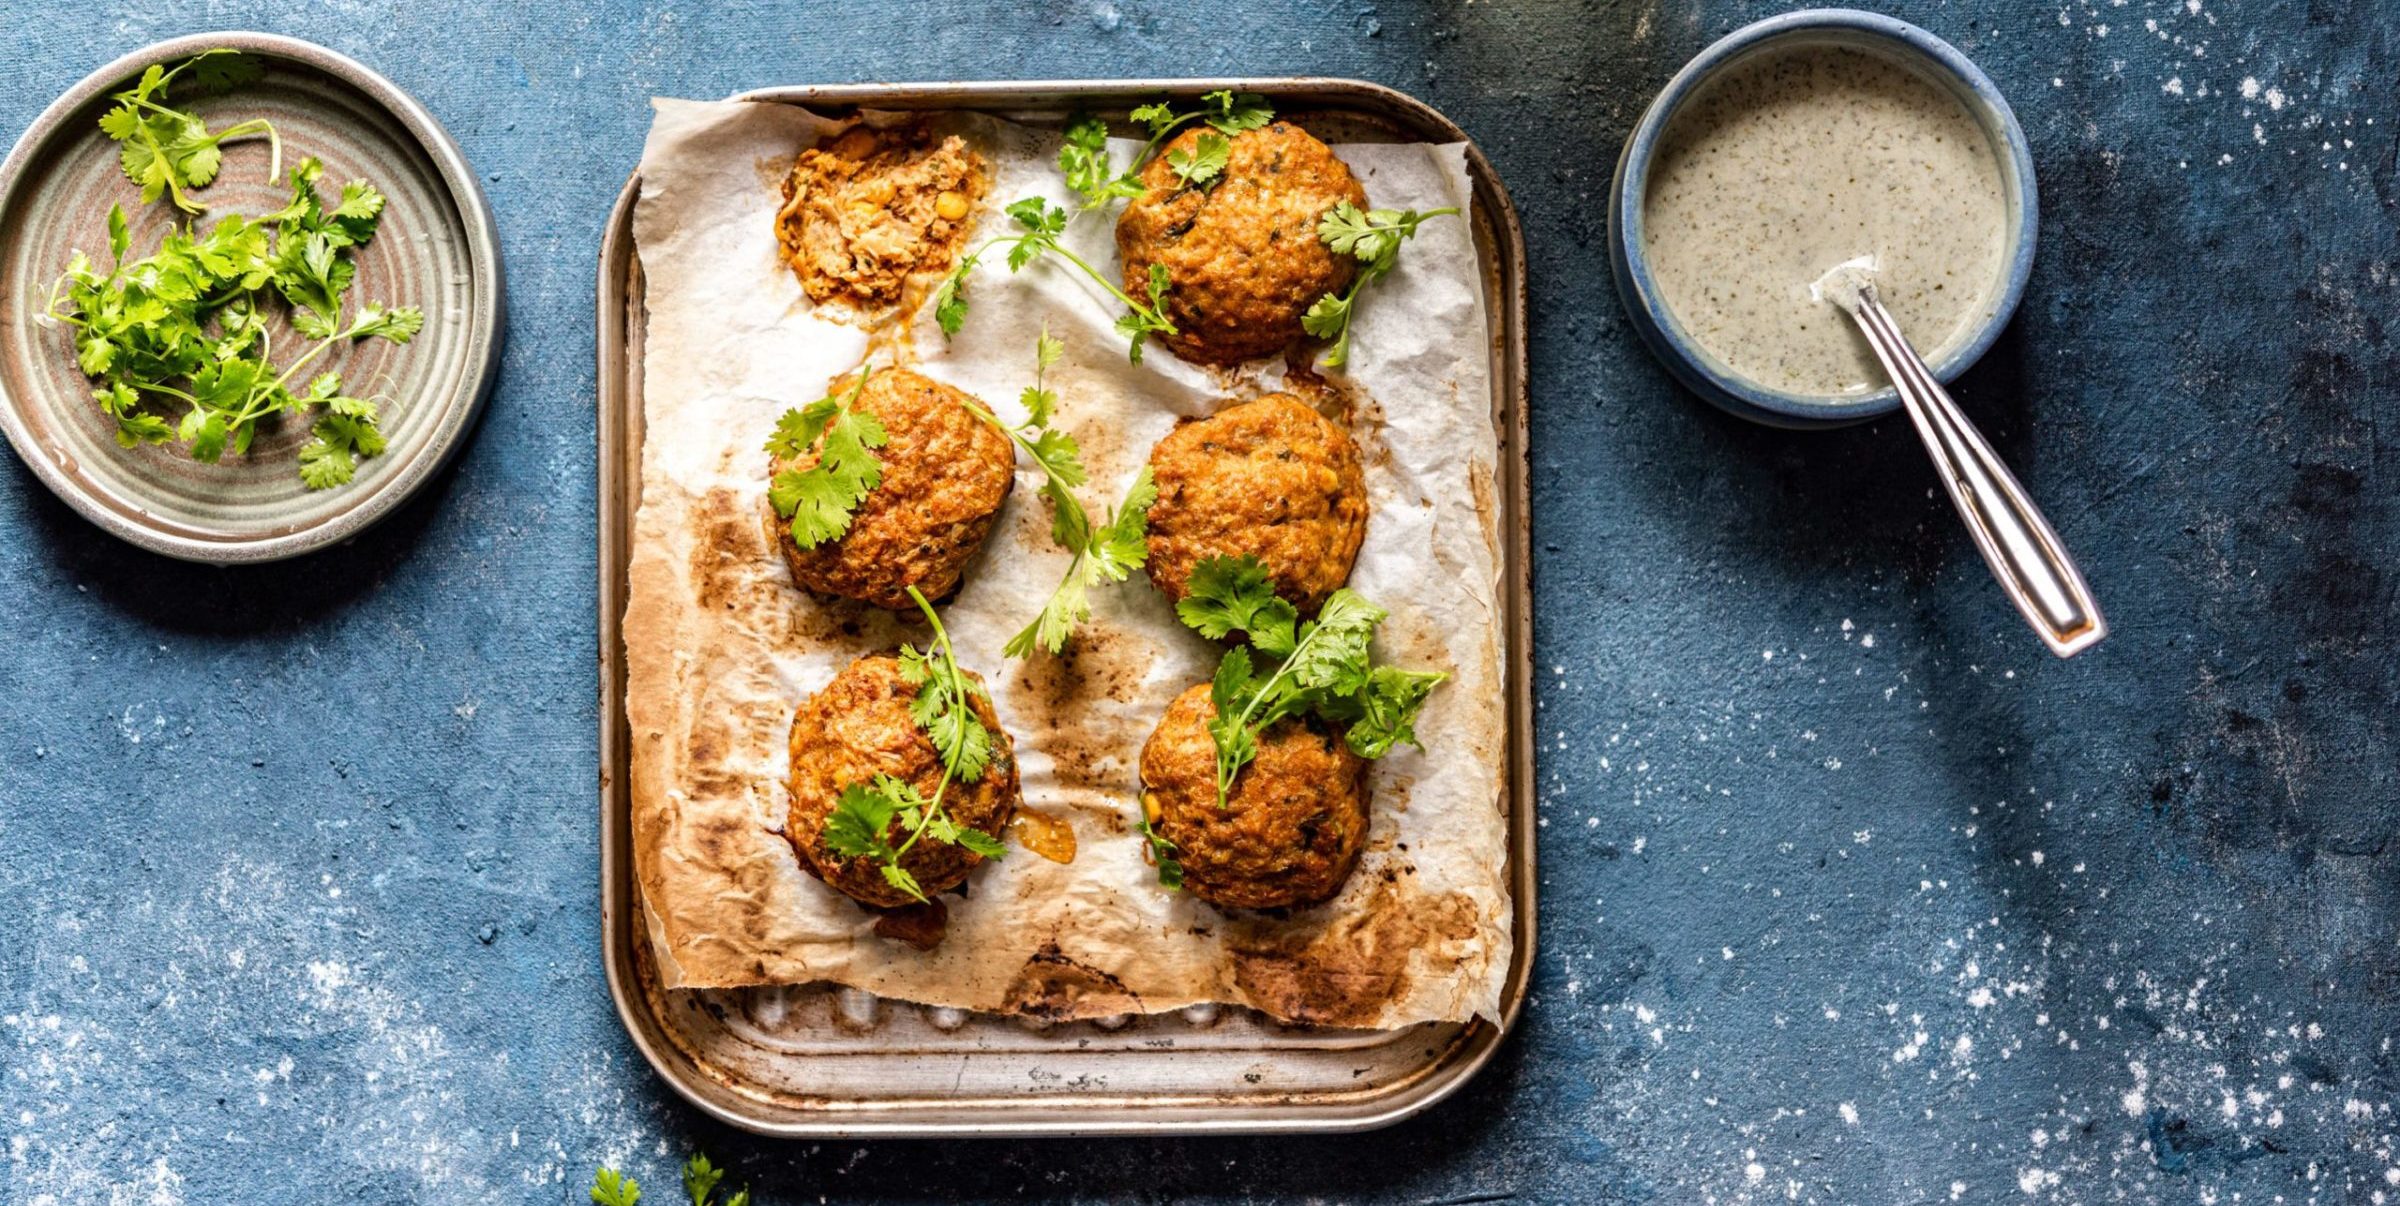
<point x="1163" y="325"/>
<point x="958" y="691"/>
<point x="274" y="143"/>
<point x="1226" y="772"/>
<point x="1064" y="490"/>
<point x="1158" y="321"/>
<point x="154" y="387"/>
<point x="256" y="125"/>
<point x="1151" y="147"/>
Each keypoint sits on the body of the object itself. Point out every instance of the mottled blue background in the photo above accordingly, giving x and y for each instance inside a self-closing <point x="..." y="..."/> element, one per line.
<point x="1850" y="893"/>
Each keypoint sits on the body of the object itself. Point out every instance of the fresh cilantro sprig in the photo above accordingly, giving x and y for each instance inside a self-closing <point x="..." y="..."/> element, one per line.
<point x="1162" y="855"/>
<point x="1106" y="552"/>
<point x="1320" y="668"/>
<point x="1084" y="160"/>
<point x="1372" y="237"/>
<point x="1042" y="223"/>
<point x="700" y="1180"/>
<point x="186" y="328"/>
<point x="165" y="149"/>
<point x="1227" y="111"/>
<point x="820" y="500"/>
<point x="612" y="1188"/>
<point x="861" y="821"/>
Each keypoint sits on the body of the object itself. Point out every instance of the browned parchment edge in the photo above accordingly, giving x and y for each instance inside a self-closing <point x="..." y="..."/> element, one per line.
<point x="1501" y="246"/>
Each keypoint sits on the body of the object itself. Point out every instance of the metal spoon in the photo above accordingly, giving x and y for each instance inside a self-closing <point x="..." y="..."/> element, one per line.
<point x="2017" y="542"/>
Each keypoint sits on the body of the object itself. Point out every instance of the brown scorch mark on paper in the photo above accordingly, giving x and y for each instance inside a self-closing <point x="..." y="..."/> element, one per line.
<point x="1342" y="966"/>
<point x="1086" y="744"/>
<point x="724" y="556"/>
<point x="772" y="169"/>
<point x="1487" y="506"/>
<point x="1054" y="987"/>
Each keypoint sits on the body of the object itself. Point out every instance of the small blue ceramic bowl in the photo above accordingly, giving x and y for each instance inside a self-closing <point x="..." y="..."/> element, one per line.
<point x="1940" y="62"/>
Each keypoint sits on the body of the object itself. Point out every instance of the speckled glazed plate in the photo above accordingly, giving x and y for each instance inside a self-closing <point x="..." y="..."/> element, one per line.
<point x="436" y="249"/>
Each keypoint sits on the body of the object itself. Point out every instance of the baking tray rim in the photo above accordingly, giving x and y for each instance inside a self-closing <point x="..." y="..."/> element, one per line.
<point x="1475" y="1044"/>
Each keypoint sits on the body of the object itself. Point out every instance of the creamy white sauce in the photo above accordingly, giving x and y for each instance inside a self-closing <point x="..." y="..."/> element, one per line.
<point x="1795" y="160"/>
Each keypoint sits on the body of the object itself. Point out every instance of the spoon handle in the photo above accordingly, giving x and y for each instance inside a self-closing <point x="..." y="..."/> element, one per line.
<point x="2017" y="542"/>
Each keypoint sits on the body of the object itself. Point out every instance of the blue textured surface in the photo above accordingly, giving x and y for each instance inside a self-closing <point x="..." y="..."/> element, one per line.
<point x="1850" y="894"/>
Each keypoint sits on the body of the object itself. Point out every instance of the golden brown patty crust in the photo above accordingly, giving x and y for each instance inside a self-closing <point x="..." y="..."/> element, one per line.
<point x="945" y="474"/>
<point x="1270" y="479"/>
<point x="863" y="213"/>
<point x="1294" y="824"/>
<point x="858" y="727"/>
<point x="1242" y="255"/>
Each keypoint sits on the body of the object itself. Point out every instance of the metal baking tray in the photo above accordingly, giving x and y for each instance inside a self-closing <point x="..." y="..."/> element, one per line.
<point x="816" y="1061"/>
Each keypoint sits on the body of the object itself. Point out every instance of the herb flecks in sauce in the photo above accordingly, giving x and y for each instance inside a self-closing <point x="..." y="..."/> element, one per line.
<point x="1799" y="159"/>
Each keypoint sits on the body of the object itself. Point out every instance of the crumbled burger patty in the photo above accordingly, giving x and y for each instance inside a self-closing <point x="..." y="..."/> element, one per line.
<point x="865" y="212"/>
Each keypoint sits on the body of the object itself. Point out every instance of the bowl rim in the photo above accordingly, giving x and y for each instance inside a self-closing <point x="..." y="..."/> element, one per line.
<point x="1684" y="355"/>
<point x="487" y="319"/>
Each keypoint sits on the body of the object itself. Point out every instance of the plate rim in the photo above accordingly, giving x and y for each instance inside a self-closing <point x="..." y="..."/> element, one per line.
<point x="487" y="332"/>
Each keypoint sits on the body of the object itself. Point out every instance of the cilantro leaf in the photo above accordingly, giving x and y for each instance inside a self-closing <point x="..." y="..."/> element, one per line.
<point x="1158" y="116"/>
<point x="700" y="1179"/>
<point x="899" y="877"/>
<point x="1106" y="553"/>
<point x="1230" y="690"/>
<point x="610" y="1188"/>
<point x="398" y="323"/>
<point x="950" y="299"/>
<point x="1121" y="545"/>
<point x="1373" y="238"/>
<point x="1084" y="161"/>
<point x="1332" y="657"/>
<point x="975" y="840"/>
<point x="167" y="150"/>
<point x="326" y="463"/>
<point x="1388" y="709"/>
<point x="1204" y="164"/>
<point x="1328" y="318"/>
<point x="942" y="708"/>
<point x="1232" y="594"/>
<point x="1162" y="854"/>
<point x="1228" y="113"/>
<point x="819" y="500"/>
<point x="1323" y="667"/>
<point x="1232" y="112"/>
<point x="1037" y="399"/>
<point x="859" y="820"/>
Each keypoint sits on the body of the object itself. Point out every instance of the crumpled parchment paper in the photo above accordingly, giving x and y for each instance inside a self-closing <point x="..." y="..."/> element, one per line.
<point x="720" y="645"/>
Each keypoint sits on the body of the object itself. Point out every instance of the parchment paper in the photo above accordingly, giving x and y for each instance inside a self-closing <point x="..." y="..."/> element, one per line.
<point x="721" y="646"/>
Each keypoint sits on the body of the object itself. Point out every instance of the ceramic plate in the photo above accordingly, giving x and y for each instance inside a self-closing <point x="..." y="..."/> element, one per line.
<point x="435" y="249"/>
